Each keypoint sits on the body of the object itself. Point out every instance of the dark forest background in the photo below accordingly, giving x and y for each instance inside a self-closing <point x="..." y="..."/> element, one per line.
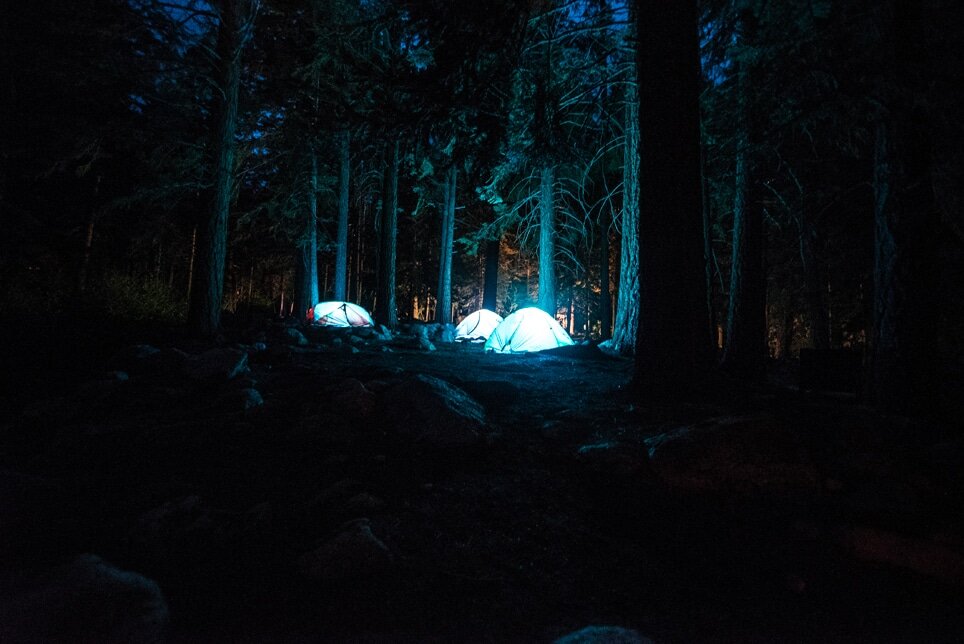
<point x="744" y="179"/>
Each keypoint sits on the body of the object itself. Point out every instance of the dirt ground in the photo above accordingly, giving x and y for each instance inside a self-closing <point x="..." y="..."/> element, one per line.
<point x="554" y="519"/>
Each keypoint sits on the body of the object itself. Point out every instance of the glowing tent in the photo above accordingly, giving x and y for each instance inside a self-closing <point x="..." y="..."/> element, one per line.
<point x="528" y="329"/>
<point x="341" y="314"/>
<point x="478" y="325"/>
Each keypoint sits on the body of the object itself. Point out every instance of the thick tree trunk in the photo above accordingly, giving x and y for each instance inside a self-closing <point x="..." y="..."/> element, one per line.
<point x="547" y="242"/>
<point x="490" y="294"/>
<point x="744" y="353"/>
<point x="627" y="303"/>
<point x="605" y="298"/>
<point x="341" y="237"/>
<point x="906" y="224"/>
<point x="817" y="311"/>
<point x="905" y="308"/>
<point x="204" y="314"/>
<point x="708" y="255"/>
<point x="306" y="273"/>
<point x="443" y="313"/>
<point x="671" y="341"/>
<point x="385" y="308"/>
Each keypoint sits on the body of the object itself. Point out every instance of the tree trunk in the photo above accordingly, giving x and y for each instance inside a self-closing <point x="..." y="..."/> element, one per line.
<point x="490" y="294"/>
<point x="204" y="314"/>
<point x="444" y="308"/>
<point x="341" y="238"/>
<point x="88" y="245"/>
<point x="672" y="337"/>
<point x="817" y="310"/>
<point x="627" y="302"/>
<point x="190" y="263"/>
<point x="385" y="310"/>
<point x="744" y="353"/>
<point x="547" y="242"/>
<point x="903" y="377"/>
<point x="306" y="275"/>
<point x="605" y="300"/>
<point x="708" y="254"/>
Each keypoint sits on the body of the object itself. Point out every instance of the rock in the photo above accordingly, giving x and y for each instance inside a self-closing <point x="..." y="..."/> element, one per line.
<point x="734" y="454"/>
<point x="259" y="346"/>
<point x="363" y="503"/>
<point x="930" y="557"/>
<point x="251" y="399"/>
<point x="351" y="398"/>
<point x="139" y="352"/>
<point x="356" y="341"/>
<point x="295" y="336"/>
<point x="336" y="342"/>
<point x="87" y="601"/>
<point x="425" y="344"/>
<point x="446" y="334"/>
<point x="355" y="553"/>
<point x="603" y="635"/>
<point x="498" y="393"/>
<point x="216" y="365"/>
<point x="145" y="359"/>
<point x="432" y="412"/>
<point x="615" y="463"/>
<point x="184" y="528"/>
<point x="385" y="333"/>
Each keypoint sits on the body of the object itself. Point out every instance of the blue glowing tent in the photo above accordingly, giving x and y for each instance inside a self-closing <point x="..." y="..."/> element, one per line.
<point x="341" y="314"/>
<point x="526" y="330"/>
<point x="477" y="326"/>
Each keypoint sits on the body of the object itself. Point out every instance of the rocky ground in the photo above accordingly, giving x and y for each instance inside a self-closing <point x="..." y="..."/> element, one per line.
<point x="309" y="485"/>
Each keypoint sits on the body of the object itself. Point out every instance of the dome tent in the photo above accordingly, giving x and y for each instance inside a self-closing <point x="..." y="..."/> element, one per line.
<point x="526" y="330"/>
<point x="478" y="325"/>
<point x="341" y="314"/>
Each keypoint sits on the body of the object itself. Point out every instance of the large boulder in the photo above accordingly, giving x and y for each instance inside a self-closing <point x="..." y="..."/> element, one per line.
<point x="294" y="336"/>
<point x="184" y="529"/>
<point x="87" y="601"/>
<point x="216" y="365"/>
<point x="354" y="554"/>
<point x="753" y="454"/>
<point x="431" y="412"/>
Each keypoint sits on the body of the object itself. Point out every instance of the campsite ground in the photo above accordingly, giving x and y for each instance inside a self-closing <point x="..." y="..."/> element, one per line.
<point x="354" y="499"/>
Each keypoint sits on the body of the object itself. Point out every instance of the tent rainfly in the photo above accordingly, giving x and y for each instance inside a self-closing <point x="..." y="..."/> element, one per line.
<point x="341" y="314"/>
<point x="526" y="330"/>
<point x="477" y="326"/>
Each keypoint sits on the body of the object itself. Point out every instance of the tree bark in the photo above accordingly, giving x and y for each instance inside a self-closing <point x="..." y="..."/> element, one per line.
<point x="708" y="255"/>
<point x="385" y="309"/>
<point x="627" y="302"/>
<point x="906" y="224"/>
<point x="306" y="275"/>
<point x="744" y="353"/>
<point x="204" y="314"/>
<point x="490" y="294"/>
<point x="672" y="337"/>
<point x="341" y="237"/>
<point x="547" y="242"/>
<point x="443" y="313"/>
<point x="817" y="310"/>
<point x="605" y="299"/>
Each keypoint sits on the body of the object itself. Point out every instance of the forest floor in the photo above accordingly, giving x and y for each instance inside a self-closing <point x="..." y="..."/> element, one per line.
<point x="355" y="498"/>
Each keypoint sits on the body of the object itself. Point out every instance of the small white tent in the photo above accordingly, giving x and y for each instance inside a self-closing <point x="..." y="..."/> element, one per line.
<point x="478" y="325"/>
<point x="528" y="329"/>
<point x="341" y="314"/>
